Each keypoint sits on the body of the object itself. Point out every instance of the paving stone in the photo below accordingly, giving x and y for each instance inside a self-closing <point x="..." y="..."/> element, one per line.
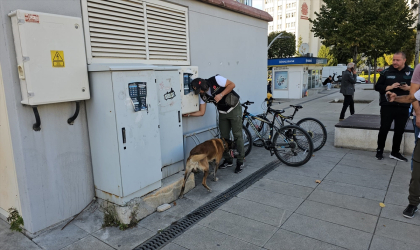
<point x="10" y="240"/>
<point x="203" y="238"/>
<point x="395" y="212"/>
<point x="90" y="220"/>
<point x="397" y="230"/>
<point x="353" y="190"/>
<point x="183" y="207"/>
<point x="383" y="243"/>
<point x="270" y="198"/>
<point x="330" y="154"/>
<point x="158" y="221"/>
<point x="88" y="243"/>
<point x="283" y="188"/>
<point x="57" y="238"/>
<point x="285" y="240"/>
<point x="368" y="164"/>
<point x="292" y="178"/>
<point x="123" y="240"/>
<point x="256" y="211"/>
<point x="172" y="246"/>
<point x="251" y="231"/>
<point x="328" y="232"/>
<point x="346" y="201"/>
<point x="357" y="180"/>
<point x="375" y="173"/>
<point x="401" y="189"/>
<point x="310" y="169"/>
<point x="400" y="179"/>
<point x="340" y="216"/>
<point x="396" y="198"/>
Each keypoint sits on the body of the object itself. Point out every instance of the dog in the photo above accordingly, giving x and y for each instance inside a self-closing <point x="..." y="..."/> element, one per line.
<point x="200" y="156"/>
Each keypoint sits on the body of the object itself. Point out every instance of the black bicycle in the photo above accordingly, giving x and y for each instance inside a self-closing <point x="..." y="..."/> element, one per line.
<point x="312" y="126"/>
<point x="291" y="144"/>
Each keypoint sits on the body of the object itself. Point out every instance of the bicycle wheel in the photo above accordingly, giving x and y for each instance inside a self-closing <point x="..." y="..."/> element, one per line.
<point x="247" y="141"/>
<point x="316" y="131"/>
<point x="292" y="145"/>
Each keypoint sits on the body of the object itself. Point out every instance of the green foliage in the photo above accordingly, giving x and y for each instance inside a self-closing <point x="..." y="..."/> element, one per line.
<point x="282" y="47"/>
<point x="371" y="27"/>
<point x="15" y="220"/>
<point x="324" y="52"/>
<point x="111" y="219"/>
<point x="381" y="62"/>
<point x="299" y="43"/>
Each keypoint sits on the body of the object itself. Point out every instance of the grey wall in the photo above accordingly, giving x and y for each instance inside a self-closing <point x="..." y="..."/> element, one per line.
<point x="53" y="166"/>
<point x="232" y="45"/>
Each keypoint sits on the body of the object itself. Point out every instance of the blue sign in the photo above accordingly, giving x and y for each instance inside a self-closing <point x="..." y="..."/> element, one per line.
<point x="296" y="61"/>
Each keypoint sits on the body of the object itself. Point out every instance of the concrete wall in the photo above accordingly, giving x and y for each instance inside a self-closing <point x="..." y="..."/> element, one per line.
<point x="53" y="166"/>
<point x="232" y="45"/>
<point x="9" y="193"/>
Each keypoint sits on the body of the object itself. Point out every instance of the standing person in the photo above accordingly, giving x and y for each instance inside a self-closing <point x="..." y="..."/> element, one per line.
<point x="414" y="97"/>
<point x="219" y="91"/>
<point x="347" y="89"/>
<point x="395" y="79"/>
<point x="328" y="82"/>
<point x="269" y="86"/>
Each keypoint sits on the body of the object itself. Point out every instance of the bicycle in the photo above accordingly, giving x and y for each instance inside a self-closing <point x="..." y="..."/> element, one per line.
<point x="313" y="127"/>
<point x="291" y="144"/>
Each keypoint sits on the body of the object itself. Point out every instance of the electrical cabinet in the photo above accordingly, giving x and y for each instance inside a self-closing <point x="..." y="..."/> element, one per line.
<point x="51" y="57"/>
<point x="189" y="99"/>
<point x="124" y="133"/>
<point x="170" y="117"/>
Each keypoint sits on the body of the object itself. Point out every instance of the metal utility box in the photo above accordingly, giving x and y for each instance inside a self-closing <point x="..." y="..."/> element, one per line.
<point x="189" y="99"/>
<point x="170" y="119"/>
<point x="51" y="57"/>
<point x="124" y="133"/>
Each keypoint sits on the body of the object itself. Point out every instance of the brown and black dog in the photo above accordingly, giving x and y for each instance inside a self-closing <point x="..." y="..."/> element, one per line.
<point x="200" y="156"/>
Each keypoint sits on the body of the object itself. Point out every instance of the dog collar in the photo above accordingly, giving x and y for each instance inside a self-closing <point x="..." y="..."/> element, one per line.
<point x="224" y="145"/>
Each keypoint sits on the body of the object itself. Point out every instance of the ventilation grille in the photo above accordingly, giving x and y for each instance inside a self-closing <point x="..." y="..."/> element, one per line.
<point x="117" y="30"/>
<point x="167" y="33"/>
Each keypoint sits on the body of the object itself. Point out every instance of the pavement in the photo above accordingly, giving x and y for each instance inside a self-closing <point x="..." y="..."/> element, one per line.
<point x="286" y="209"/>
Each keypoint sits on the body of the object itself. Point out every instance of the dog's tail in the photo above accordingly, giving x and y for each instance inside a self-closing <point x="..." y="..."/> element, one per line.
<point x="192" y="162"/>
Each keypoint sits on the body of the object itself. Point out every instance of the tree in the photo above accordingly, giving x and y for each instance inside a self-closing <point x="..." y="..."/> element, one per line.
<point x="371" y="27"/>
<point x="282" y="47"/>
<point x="299" y="43"/>
<point x="324" y="52"/>
<point x="388" y="59"/>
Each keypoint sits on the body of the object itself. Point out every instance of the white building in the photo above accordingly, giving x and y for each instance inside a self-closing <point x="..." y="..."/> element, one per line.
<point x="292" y="16"/>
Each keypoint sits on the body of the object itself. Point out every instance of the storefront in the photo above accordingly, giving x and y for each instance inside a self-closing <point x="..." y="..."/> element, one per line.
<point x="292" y="77"/>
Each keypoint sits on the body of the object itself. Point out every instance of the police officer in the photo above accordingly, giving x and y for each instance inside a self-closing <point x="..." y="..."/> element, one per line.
<point x="219" y="91"/>
<point x="396" y="79"/>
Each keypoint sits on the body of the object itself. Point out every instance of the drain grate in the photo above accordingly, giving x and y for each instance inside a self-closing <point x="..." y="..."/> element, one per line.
<point x="167" y="235"/>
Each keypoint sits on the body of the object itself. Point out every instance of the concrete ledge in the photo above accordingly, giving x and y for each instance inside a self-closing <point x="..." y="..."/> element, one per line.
<point x="143" y="206"/>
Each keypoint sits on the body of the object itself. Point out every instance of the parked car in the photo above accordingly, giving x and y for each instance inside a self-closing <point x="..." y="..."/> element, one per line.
<point x="360" y="80"/>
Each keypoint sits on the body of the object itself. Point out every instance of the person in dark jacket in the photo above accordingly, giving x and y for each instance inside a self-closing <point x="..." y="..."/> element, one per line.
<point x="215" y="90"/>
<point x="328" y="82"/>
<point x="396" y="79"/>
<point x="347" y="89"/>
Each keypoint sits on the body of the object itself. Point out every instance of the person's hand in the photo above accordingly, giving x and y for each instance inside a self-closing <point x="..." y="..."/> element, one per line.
<point x="395" y="85"/>
<point x="354" y="71"/>
<point x="185" y="115"/>
<point x="405" y="87"/>
<point x="391" y="96"/>
<point x="218" y="97"/>
<point x="418" y="121"/>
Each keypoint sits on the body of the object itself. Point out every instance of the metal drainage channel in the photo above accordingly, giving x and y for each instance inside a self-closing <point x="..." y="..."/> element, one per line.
<point x="167" y="235"/>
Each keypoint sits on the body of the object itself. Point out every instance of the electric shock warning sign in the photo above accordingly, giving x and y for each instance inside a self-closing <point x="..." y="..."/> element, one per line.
<point x="57" y="58"/>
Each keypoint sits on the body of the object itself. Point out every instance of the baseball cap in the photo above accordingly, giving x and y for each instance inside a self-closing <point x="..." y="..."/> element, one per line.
<point x="197" y="84"/>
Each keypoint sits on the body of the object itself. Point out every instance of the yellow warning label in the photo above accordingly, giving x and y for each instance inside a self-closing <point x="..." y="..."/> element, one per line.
<point x="57" y="58"/>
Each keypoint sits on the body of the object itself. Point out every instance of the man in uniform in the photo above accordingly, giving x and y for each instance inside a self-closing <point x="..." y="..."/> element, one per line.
<point x="395" y="79"/>
<point x="219" y="91"/>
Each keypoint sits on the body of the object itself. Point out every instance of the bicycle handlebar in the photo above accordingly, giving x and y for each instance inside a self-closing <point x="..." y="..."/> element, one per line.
<point x="247" y="103"/>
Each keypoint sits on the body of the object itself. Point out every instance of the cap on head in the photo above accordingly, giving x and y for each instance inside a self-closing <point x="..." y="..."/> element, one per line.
<point x="199" y="84"/>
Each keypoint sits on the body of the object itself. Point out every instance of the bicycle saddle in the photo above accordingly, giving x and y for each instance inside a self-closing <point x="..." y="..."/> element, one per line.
<point x="278" y="111"/>
<point x="296" y="106"/>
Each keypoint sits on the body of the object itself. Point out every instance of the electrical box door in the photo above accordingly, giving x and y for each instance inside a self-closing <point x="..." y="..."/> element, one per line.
<point x="51" y="57"/>
<point x="170" y="117"/>
<point x="189" y="99"/>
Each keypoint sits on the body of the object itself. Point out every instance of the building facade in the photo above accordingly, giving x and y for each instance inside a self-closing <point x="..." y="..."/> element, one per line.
<point x="292" y="16"/>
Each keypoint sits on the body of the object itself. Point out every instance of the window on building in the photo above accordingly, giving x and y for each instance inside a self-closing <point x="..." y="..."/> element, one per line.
<point x="278" y="17"/>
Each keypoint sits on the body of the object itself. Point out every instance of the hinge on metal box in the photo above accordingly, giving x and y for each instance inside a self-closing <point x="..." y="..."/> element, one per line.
<point x="21" y="21"/>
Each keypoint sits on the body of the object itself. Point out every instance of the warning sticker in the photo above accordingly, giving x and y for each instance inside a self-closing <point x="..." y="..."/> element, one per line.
<point x="57" y="58"/>
<point x="31" y="18"/>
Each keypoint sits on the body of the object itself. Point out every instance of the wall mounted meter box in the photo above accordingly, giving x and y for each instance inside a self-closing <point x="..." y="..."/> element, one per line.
<point x="124" y="133"/>
<point x="51" y="57"/>
<point x="189" y="99"/>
